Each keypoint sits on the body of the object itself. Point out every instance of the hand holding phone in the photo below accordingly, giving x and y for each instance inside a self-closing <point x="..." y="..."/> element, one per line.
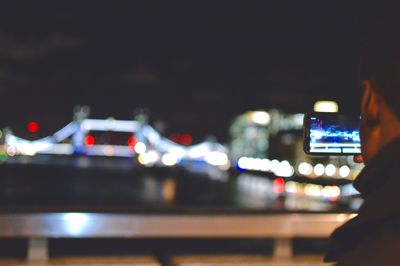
<point x="358" y="158"/>
<point x="332" y="134"/>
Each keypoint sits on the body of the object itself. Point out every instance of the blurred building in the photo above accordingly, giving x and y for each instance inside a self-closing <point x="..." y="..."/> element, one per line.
<point x="255" y="133"/>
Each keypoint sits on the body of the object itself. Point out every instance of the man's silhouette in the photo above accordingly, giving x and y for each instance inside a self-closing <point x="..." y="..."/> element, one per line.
<point x="373" y="237"/>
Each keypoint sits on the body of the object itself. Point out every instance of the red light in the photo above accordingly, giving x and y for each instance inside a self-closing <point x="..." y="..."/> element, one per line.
<point x="132" y="141"/>
<point x="186" y="139"/>
<point x="89" y="140"/>
<point x="333" y="199"/>
<point x="279" y="185"/>
<point x="33" y="127"/>
<point x="175" y="137"/>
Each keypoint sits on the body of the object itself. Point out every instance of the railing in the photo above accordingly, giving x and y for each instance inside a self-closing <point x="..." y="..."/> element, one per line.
<point x="39" y="227"/>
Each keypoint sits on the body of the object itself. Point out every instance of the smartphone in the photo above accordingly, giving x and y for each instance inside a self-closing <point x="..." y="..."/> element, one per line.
<point x="332" y="134"/>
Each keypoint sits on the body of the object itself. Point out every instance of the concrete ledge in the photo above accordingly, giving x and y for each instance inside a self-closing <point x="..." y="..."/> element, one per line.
<point x="244" y="260"/>
<point x="38" y="228"/>
<point x="55" y="225"/>
<point x="88" y="261"/>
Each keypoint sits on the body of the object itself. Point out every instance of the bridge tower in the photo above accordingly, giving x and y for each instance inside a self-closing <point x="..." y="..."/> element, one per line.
<point x="142" y="117"/>
<point x="78" y="138"/>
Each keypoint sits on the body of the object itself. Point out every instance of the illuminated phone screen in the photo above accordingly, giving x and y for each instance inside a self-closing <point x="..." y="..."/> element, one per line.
<point x="335" y="134"/>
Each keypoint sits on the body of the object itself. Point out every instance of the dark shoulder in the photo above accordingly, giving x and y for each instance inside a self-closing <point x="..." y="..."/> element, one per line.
<point x="381" y="247"/>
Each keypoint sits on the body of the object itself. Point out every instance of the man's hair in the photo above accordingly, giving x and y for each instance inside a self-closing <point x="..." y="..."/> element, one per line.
<point x="380" y="61"/>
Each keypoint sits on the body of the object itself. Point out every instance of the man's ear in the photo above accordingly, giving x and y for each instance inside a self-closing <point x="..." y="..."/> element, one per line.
<point x="369" y="104"/>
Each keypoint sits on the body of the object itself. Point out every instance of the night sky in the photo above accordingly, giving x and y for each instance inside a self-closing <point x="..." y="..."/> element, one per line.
<point x="193" y="64"/>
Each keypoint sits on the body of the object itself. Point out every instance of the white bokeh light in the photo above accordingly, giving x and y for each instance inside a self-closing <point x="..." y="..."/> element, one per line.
<point x="319" y="169"/>
<point x="330" y="170"/>
<point x="140" y="148"/>
<point x="305" y="168"/>
<point x="344" y="171"/>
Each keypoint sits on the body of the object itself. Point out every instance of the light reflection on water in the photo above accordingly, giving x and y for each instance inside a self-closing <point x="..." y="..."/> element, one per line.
<point x="121" y="184"/>
<point x="161" y="191"/>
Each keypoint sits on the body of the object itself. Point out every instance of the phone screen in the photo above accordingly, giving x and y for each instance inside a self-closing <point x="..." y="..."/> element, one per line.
<point x="332" y="133"/>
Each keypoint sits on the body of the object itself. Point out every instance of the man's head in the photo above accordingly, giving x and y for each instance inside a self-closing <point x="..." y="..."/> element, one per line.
<point x="380" y="70"/>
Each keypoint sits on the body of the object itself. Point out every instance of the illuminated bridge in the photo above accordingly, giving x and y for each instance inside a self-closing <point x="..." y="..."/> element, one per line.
<point x="145" y="143"/>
